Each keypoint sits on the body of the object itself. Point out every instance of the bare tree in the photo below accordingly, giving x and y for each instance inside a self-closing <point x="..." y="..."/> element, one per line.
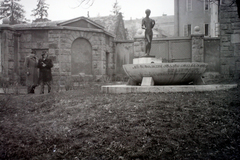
<point x="85" y="3"/>
<point x="13" y="10"/>
<point x="116" y="8"/>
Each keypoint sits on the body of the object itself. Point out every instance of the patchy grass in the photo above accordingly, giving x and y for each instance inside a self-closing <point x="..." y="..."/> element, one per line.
<point x="87" y="124"/>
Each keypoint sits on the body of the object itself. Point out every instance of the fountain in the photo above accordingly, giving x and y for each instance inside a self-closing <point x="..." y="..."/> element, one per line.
<point x="150" y="74"/>
<point x="158" y="73"/>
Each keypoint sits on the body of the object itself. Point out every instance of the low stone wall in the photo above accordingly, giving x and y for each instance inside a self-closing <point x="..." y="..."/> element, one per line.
<point x="212" y="54"/>
<point x="229" y="40"/>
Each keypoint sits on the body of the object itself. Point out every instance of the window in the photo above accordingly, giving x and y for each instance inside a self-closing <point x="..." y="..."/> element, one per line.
<point x="206" y="28"/>
<point x="187" y="30"/>
<point x="107" y="39"/>
<point x="188" y="5"/>
<point x="206" y="5"/>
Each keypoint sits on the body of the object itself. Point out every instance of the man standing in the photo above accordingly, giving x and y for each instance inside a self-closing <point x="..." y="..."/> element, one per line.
<point x="148" y="24"/>
<point x="32" y="72"/>
<point x="45" y="74"/>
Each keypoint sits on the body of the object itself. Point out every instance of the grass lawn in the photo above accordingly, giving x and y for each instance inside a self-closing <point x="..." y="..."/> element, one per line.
<point x="88" y="124"/>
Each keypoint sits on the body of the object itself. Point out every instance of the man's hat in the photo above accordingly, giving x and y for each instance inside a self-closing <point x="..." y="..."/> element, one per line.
<point x="44" y="52"/>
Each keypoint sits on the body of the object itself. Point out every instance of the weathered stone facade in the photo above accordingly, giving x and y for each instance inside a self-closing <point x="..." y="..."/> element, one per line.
<point x="18" y="41"/>
<point x="229" y="39"/>
<point x="197" y="48"/>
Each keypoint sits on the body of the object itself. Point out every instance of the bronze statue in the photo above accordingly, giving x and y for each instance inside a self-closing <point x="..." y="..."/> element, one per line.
<point x="148" y="24"/>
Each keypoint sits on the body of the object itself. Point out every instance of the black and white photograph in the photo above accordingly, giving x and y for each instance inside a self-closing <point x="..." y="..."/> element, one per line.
<point x="119" y="79"/>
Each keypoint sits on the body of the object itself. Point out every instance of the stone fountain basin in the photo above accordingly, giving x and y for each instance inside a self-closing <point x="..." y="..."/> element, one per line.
<point x="166" y="73"/>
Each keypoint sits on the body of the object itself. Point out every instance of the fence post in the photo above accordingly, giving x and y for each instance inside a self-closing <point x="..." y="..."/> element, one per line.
<point x="139" y="44"/>
<point x="197" y="45"/>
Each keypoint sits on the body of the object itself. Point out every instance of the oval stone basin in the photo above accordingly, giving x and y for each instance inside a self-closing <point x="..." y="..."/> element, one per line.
<point x="166" y="73"/>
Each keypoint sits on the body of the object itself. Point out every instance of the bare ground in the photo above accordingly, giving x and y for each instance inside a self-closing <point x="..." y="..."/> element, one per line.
<point x="88" y="124"/>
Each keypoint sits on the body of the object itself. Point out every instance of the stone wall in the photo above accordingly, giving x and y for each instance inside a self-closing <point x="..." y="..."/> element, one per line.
<point x="58" y="42"/>
<point x="212" y="54"/>
<point x="7" y="55"/>
<point x="229" y="39"/>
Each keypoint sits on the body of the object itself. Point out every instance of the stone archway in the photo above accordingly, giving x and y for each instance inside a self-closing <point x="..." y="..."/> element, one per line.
<point x="81" y="57"/>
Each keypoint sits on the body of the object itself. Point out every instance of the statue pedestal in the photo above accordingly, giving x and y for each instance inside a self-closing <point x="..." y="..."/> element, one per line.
<point x="147" y="81"/>
<point x="147" y="60"/>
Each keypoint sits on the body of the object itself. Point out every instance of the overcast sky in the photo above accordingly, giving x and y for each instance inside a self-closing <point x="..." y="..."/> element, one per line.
<point x="66" y="9"/>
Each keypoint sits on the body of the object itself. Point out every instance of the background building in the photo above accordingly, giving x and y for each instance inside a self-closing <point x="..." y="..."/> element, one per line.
<point x="164" y="26"/>
<point x="191" y="13"/>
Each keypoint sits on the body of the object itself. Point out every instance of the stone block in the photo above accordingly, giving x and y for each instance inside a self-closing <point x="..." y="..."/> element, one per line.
<point x="64" y="58"/>
<point x="227" y="53"/>
<point x="56" y="52"/>
<point x="136" y="43"/>
<point x="136" y="54"/>
<point x="65" y="51"/>
<point x="224" y="26"/>
<point x="65" y="45"/>
<point x="25" y="38"/>
<point x="141" y="54"/>
<point x="225" y="20"/>
<point x="230" y="31"/>
<point x="51" y="51"/>
<point x="197" y="58"/>
<point x="137" y="48"/>
<point x="235" y="38"/>
<point x="231" y="48"/>
<point x="237" y="66"/>
<point x="56" y="65"/>
<point x="225" y="69"/>
<point x="225" y="38"/>
<point x="65" y="67"/>
<point x="237" y="50"/>
<point x="10" y="64"/>
<point x="226" y="44"/>
<point x="236" y="25"/>
<point x="65" y="73"/>
<point x="224" y="48"/>
<point x="53" y="45"/>
<point x="236" y="31"/>
<point x="56" y="70"/>
<point x="147" y="81"/>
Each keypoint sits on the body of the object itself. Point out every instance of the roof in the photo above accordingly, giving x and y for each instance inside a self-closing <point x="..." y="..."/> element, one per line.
<point x="61" y="24"/>
<point x="38" y="24"/>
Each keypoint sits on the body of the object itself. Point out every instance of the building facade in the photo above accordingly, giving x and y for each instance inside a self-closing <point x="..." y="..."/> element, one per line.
<point x="76" y="46"/>
<point x="229" y="38"/>
<point x="191" y="13"/>
<point x="164" y="27"/>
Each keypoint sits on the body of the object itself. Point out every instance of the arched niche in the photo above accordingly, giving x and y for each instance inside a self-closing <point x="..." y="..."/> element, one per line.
<point x="81" y="57"/>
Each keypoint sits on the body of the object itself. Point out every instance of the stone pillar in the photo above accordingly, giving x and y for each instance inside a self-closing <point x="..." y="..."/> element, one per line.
<point x="139" y="44"/>
<point x="16" y="56"/>
<point x="0" y="52"/>
<point x="197" y="45"/>
<point x="139" y="47"/>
